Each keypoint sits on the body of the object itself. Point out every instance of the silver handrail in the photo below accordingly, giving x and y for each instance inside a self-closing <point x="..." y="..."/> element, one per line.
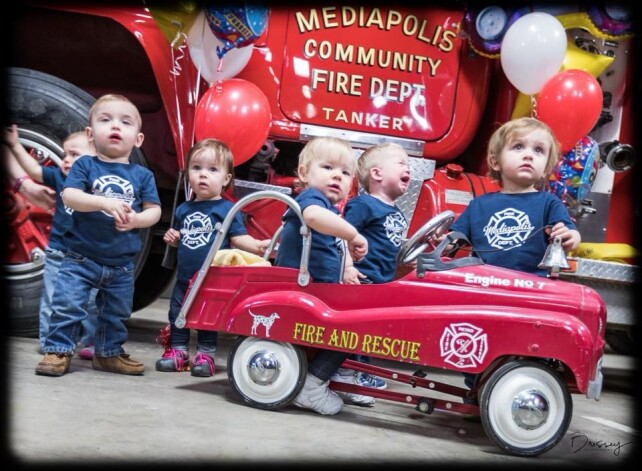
<point x="221" y="231"/>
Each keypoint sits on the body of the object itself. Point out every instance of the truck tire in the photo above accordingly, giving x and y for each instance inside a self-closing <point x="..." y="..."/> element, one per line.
<point x="46" y="109"/>
<point x="24" y="290"/>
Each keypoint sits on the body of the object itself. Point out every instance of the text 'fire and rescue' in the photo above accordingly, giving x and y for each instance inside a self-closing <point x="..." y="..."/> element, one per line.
<point x="375" y="344"/>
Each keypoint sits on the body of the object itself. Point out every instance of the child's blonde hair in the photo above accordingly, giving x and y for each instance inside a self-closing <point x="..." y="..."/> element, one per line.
<point x="222" y="152"/>
<point x="74" y="135"/>
<point x="507" y="132"/>
<point x="371" y="158"/>
<point x="321" y="147"/>
<point x="113" y="97"/>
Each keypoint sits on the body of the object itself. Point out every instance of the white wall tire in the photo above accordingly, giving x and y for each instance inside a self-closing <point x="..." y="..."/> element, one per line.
<point x="266" y="374"/>
<point x="525" y="408"/>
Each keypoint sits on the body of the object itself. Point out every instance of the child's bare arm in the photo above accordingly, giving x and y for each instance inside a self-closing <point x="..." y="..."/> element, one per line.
<point x="250" y="244"/>
<point x="20" y="154"/>
<point x="38" y="194"/>
<point x="78" y="200"/>
<point x="325" y="221"/>
<point x="124" y="216"/>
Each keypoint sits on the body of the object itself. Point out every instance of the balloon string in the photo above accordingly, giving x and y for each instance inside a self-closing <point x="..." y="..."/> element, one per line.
<point x="533" y="107"/>
<point x="179" y="35"/>
<point x="176" y="72"/>
<point x="197" y="90"/>
<point x="176" y="67"/>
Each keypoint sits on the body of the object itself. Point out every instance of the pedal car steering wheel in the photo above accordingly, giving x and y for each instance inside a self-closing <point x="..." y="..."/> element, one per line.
<point x="424" y="236"/>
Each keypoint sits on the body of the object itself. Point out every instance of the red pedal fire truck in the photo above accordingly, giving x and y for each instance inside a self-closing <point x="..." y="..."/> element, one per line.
<point x="428" y="78"/>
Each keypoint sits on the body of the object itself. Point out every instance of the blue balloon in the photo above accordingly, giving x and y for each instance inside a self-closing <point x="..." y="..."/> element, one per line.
<point x="573" y="176"/>
<point x="236" y="26"/>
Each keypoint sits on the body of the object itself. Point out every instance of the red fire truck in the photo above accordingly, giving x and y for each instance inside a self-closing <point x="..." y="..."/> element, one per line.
<point x="428" y="78"/>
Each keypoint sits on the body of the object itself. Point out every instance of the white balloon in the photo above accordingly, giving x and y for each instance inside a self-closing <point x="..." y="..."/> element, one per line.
<point x="533" y="50"/>
<point x="202" y="44"/>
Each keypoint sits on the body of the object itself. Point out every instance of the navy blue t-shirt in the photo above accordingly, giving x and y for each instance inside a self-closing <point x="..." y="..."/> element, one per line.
<point x="325" y="260"/>
<point x="195" y="220"/>
<point x="505" y="228"/>
<point x="93" y="234"/>
<point x="384" y="226"/>
<point x="61" y="221"/>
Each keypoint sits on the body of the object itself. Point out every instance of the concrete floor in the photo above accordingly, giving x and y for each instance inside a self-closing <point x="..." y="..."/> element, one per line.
<point x="92" y="417"/>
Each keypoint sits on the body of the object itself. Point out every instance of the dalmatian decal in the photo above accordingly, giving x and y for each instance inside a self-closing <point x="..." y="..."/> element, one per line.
<point x="265" y="321"/>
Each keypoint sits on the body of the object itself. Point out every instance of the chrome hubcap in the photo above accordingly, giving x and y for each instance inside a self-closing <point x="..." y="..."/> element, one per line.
<point x="530" y="409"/>
<point x="264" y="367"/>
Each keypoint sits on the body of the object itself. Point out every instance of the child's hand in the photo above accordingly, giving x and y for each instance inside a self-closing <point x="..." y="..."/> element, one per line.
<point x="437" y="238"/>
<point x="250" y="244"/>
<point x="40" y="195"/>
<point x="172" y="237"/>
<point x="11" y="136"/>
<point x="570" y="238"/>
<point x="263" y="245"/>
<point x="351" y="276"/>
<point x="129" y="223"/>
<point x="120" y="210"/>
<point x="358" y="247"/>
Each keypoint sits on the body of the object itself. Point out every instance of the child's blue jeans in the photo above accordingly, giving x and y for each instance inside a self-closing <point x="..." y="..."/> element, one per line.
<point x="77" y="276"/>
<point x="53" y="259"/>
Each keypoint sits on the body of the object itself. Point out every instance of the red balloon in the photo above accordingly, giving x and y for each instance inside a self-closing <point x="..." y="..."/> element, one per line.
<point x="570" y="103"/>
<point x="236" y="112"/>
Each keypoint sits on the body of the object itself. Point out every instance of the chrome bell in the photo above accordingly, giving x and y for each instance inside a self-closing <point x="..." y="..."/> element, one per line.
<point x="555" y="258"/>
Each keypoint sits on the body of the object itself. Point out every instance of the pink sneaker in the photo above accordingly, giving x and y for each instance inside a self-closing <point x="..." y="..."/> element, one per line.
<point x="173" y="360"/>
<point x="86" y="353"/>
<point x="203" y="365"/>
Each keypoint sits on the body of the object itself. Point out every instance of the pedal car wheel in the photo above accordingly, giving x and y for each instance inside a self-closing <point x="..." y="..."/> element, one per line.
<point x="525" y="408"/>
<point x="423" y="237"/>
<point x="266" y="374"/>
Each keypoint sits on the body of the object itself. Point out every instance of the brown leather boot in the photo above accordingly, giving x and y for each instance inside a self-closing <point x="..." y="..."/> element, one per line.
<point x="120" y="364"/>
<point x="54" y="364"/>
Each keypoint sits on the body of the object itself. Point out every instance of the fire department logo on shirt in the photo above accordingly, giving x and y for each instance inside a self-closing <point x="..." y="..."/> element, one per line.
<point x="463" y="345"/>
<point x="395" y="226"/>
<point x="508" y="229"/>
<point x="113" y="186"/>
<point x="68" y="210"/>
<point x="197" y="230"/>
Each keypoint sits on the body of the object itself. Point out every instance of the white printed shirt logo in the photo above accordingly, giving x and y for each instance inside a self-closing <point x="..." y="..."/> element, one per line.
<point x="197" y="230"/>
<point x="508" y="229"/>
<point x="395" y="225"/>
<point x="113" y="186"/>
<point x="68" y="210"/>
<point x="265" y="321"/>
<point x="463" y="345"/>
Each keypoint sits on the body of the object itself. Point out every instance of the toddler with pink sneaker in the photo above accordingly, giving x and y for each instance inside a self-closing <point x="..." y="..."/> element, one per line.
<point x="210" y="171"/>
